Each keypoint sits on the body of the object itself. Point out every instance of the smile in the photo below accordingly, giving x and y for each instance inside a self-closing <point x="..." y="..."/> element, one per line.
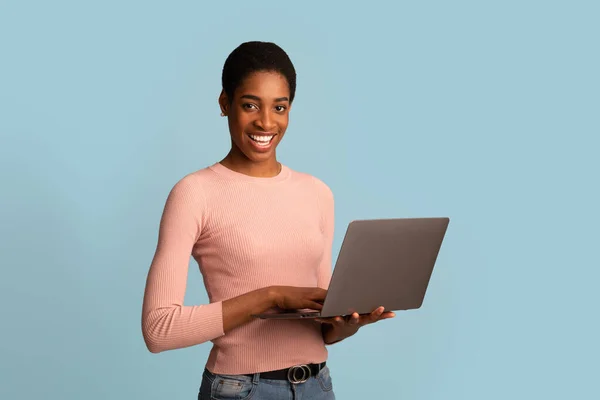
<point x="262" y="140"/>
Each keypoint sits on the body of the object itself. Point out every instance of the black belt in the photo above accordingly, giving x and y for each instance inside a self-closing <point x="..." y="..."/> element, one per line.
<point x="295" y="374"/>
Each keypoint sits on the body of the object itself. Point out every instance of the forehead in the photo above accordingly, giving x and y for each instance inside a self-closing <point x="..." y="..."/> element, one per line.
<point x="267" y="83"/>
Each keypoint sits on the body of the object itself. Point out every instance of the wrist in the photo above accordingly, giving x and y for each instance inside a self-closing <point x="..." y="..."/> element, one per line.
<point x="330" y="334"/>
<point x="333" y="334"/>
<point x="271" y="294"/>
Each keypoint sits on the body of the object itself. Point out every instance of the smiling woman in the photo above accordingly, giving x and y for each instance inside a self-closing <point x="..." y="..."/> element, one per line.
<point x="262" y="236"/>
<point x="259" y="85"/>
<point x="258" y="114"/>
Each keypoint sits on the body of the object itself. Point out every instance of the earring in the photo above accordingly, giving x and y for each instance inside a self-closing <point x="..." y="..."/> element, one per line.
<point x="222" y="114"/>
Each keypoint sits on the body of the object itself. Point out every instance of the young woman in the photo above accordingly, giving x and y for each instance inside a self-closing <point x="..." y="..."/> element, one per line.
<point x="262" y="236"/>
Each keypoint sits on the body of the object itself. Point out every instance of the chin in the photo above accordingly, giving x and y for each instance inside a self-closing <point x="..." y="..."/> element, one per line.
<point x="259" y="157"/>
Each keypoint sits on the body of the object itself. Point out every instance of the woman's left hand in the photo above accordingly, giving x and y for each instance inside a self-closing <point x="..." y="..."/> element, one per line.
<point x="339" y="328"/>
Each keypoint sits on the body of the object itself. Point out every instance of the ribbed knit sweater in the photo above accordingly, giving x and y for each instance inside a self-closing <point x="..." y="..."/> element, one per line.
<point x="245" y="233"/>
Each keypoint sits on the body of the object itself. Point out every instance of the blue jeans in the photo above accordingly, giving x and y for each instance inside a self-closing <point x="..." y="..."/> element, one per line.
<point x="244" y="387"/>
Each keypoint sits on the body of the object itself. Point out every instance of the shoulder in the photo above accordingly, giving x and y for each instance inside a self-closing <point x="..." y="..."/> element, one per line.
<point x="322" y="189"/>
<point x="190" y="188"/>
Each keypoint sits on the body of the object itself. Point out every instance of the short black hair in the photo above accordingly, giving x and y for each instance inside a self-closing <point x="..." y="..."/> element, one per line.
<point x="255" y="56"/>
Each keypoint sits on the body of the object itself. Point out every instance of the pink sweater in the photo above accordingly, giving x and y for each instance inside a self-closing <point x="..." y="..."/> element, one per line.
<point x="245" y="233"/>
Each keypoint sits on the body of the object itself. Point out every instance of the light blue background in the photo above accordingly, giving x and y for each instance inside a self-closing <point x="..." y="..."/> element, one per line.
<point x="486" y="112"/>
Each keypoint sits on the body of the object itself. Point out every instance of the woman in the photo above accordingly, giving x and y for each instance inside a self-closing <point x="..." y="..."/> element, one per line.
<point x="261" y="234"/>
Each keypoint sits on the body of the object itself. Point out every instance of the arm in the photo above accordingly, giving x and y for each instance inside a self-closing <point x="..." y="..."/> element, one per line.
<point x="327" y="206"/>
<point x="330" y="336"/>
<point x="166" y="323"/>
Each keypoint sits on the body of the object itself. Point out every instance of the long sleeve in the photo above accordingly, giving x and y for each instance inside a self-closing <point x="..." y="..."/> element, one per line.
<point x="166" y="323"/>
<point x="244" y="233"/>
<point x="326" y="204"/>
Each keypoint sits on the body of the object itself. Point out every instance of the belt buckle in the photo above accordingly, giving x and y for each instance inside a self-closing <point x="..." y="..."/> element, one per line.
<point x="299" y="373"/>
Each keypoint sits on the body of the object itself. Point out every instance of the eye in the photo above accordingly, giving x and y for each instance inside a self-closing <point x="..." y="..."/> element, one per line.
<point x="249" y="106"/>
<point x="280" y="108"/>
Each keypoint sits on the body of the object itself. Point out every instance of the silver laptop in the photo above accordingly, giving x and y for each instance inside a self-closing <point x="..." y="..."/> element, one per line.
<point x="382" y="262"/>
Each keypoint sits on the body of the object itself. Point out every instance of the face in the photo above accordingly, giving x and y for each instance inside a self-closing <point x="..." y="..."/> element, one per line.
<point x="258" y="115"/>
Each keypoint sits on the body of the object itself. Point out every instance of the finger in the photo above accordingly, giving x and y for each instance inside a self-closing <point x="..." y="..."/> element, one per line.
<point x="313" y="305"/>
<point x="377" y="312"/>
<point x="387" y="315"/>
<point x="331" y="320"/>
<point x="354" y="319"/>
<point x="318" y="294"/>
<point x="373" y="316"/>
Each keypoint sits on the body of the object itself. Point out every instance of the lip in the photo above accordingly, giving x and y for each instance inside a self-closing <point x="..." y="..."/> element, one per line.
<point x="255" y="146"/>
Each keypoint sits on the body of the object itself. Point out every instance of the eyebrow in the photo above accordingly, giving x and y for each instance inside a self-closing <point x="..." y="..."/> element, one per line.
<point x="252" y="97"/>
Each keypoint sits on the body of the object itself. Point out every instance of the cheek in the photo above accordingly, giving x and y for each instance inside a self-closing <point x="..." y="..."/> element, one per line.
<point x="237" y="126"/>
<point x="244" y="122"/>
<point x="283" y="123"/>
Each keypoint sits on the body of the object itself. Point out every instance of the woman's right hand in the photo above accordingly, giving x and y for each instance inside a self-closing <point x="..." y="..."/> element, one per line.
<point x="240" y="309"/>
<point x="297" y="298"/>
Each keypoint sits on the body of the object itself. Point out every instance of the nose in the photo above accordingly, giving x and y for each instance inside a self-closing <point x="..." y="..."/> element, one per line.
<point x="265" y="121"/>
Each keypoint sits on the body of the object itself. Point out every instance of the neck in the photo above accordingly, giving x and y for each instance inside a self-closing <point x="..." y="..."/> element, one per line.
<point x="243" y="165"/>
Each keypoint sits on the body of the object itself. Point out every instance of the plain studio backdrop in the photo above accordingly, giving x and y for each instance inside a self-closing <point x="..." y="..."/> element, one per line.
<point x="485" y="112"/>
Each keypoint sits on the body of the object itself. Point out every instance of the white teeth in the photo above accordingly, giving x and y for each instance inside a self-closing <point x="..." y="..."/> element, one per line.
<point x="263" y="140"/>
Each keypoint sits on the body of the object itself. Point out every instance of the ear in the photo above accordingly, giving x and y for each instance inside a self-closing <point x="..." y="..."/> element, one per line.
<point x="223" y="102"/>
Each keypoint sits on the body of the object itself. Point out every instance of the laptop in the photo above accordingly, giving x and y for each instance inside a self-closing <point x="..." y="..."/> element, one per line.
<point x="382" y="262"/>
